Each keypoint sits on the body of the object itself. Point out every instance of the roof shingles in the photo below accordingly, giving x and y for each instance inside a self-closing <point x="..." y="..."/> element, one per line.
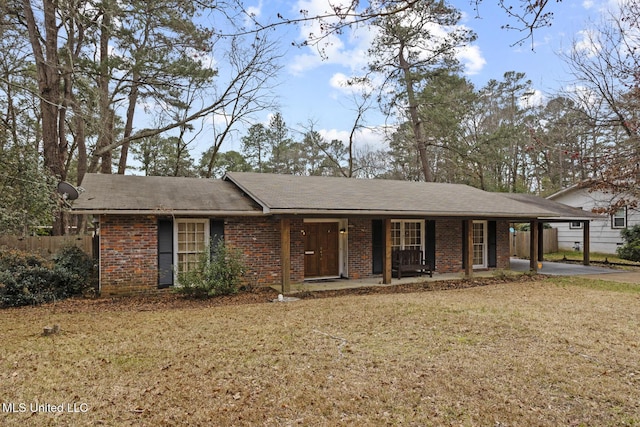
<point x="244" y="193"/>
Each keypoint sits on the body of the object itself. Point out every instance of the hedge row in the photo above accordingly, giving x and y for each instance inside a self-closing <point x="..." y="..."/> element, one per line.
<point x="29" y="279"/>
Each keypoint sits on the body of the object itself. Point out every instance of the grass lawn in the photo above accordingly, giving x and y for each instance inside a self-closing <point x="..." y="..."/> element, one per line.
<point x="547" y="352"/>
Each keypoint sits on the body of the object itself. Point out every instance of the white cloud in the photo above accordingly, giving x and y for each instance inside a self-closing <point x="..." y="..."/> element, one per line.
<point x="472" y="59"/>
<point x="365" y="137"/>
<point x="348" y="50"/>
<point x="533" y="99"/>
<point x="587" y="42"/>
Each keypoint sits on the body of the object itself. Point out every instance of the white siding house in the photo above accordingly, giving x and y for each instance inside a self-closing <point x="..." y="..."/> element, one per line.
<point x="604" y="233"/>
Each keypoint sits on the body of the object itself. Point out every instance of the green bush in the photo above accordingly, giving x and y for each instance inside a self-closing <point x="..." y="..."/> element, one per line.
<point x="220" y="275"/>
<point x="631" y="249"/>
<point x="28" y="279"/>
<point x="78" y="267"/>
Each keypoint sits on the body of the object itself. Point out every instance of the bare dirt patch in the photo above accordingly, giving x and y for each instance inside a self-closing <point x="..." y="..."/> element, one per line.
<point x="536" y="352"/>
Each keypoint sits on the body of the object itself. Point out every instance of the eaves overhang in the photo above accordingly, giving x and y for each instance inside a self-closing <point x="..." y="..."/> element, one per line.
<point x="166" y="212"/>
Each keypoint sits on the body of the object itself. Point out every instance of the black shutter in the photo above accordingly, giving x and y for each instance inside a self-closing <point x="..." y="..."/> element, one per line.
<point x="216" y="233"/>
<point x="377" y="245"/>
<point x="165" y="253"/>
<point x="464" y="244"/>
<point x="430" y="244"/>
<point x="492" y="240"/>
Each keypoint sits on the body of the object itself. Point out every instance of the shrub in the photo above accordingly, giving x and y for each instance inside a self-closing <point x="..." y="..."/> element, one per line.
<point x="220" y="275"/>
<point x="77" y="266"/>
<point x="27" y="278"/>
<point x="631" y="249"/>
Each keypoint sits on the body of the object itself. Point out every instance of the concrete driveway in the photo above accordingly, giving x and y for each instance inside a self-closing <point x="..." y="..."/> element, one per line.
<point x="567" y="269"/>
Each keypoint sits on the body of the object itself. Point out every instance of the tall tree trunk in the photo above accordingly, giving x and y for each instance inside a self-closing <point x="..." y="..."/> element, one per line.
<point x="107" y="115"/>
<point x="49" y="78"/>
<point x="128" y="127"/>
<point x="47" y="67"/>
<point x="414" y="115"/>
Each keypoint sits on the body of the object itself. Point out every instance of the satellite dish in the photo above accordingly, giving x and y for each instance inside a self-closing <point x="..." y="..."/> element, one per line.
<point x="68" y="191"/>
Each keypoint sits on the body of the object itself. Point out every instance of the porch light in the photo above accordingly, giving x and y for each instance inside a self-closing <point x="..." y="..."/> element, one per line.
<point x="343" y="230"/>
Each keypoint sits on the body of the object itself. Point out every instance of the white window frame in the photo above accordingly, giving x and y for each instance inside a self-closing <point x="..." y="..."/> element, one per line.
<point x="575" y="225"/>
<point x="620" y="214"/>
<point x="483" y="246"/>
<point x="402" y="223"/>
<point x="176" y="244"/>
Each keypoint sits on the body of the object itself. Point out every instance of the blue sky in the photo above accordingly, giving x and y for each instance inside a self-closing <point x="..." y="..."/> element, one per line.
<point x="309" y="88"/>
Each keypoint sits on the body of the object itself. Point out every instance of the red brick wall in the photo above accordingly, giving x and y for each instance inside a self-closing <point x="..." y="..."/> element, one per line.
<point x="128" y="254"/>
<point x="259" y="240"/>
<point x="448" y="246"/>
<point x="128" y="250"/>
<point x="360" y="251"/>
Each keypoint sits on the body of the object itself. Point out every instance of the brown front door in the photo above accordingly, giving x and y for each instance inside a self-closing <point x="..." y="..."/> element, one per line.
<point x="321" y="249"/>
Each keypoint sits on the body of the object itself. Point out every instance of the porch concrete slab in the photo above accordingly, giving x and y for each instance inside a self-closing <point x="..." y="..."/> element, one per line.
<point x="560" y="268"/>
<point x="518" y="266"/>
<point x="337" y="284"/>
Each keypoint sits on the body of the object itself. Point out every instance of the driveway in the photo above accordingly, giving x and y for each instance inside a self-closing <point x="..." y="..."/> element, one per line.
<point x="566" y="269"/>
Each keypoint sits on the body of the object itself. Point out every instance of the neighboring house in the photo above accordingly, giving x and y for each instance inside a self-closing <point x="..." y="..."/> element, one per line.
<point x="294" y="228"/>
<point x="604" y="233"/>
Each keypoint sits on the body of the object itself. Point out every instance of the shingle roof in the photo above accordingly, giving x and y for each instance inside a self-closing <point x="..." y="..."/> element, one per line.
<point x="563" y="211"/>
<point x="242" y="193"/>
<point x="106" y="193"/>
<point x="288" y="194"/>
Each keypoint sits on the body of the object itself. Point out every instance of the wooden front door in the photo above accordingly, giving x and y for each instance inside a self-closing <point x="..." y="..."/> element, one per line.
<point x="321" y="254"/>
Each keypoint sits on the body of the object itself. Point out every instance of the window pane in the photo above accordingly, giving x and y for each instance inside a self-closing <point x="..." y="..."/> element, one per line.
<point x="396" y="240"/>
<point x="406" y="234"/>
<point x="478" y="243"/>
<point x="192" y="241"/>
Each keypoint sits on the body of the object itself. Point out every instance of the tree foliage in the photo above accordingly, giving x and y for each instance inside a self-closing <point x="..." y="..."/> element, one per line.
<point x="78" y="78"/>
<point x="631" y="248"/>
<point x="605" y="65"/>
<point x="408" y="47"/>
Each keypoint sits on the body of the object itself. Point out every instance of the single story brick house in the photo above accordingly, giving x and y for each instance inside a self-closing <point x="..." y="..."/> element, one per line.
<point x="297" y="228"/>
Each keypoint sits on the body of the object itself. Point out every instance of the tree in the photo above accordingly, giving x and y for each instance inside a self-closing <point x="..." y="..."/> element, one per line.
<point x="528" y="15"/>
<point x="631" y="248"/>
<point x="164" y="157"/>
<point x="408" y="46"/>
<point x="282" y="155"/>
<point x="561" y="139"/>
<point x="227" y="161"/>
<point x="446" y="102"/>
<point x="606" y="65"/>
<point x="255" y="148"/>
<point x="321" y="157"/>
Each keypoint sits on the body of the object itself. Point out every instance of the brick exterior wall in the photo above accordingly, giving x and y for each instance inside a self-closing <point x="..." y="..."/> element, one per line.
<point x="502" y="241"/>
<point x="360" y="251"/>
<point x="129" y="250"/>
<point x="448" y="246"/>
<point x="259" y="240"/>
<point x="128" y="254"/>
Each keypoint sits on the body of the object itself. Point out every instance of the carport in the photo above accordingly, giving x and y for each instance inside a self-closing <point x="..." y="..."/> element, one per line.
<point x="564" y="213"/>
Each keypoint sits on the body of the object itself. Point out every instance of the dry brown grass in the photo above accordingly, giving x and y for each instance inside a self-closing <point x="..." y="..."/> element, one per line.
<point x="543" y="353"/>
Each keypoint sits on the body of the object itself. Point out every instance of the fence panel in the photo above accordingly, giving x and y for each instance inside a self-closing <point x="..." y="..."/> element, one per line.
<point x="520" y="242"/>
<point x="47" y="245"/>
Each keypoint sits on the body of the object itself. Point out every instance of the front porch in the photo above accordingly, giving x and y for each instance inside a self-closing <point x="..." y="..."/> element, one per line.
<point x="339" y="284"/>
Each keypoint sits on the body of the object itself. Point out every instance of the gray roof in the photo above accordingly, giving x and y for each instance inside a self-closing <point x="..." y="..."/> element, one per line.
<point x="563" y="211"/>
<point x="106" y="193"/>
<point x="288" y="194"/>
<point x="242" y="193"/>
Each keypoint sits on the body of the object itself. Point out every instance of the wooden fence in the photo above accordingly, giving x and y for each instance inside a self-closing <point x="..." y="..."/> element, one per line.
<point x="47" y="245"/>
<point x="520" y="242"/>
